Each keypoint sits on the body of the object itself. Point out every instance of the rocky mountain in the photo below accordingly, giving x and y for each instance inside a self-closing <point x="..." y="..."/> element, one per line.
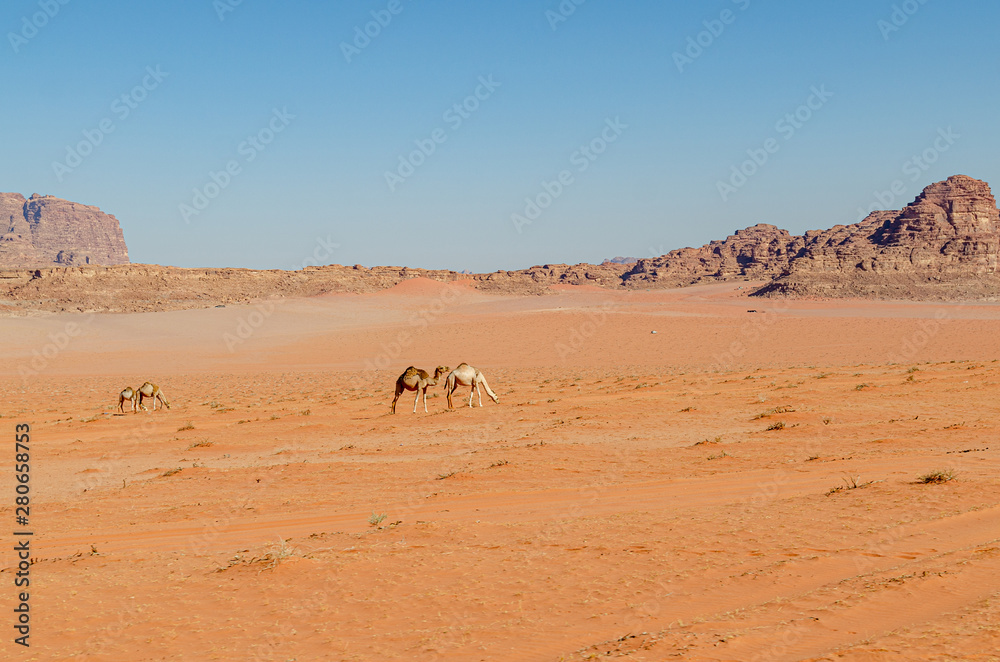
<point x="944" y="245"/>
<point x="45" y="231"/>
<point x="760" y="252"/>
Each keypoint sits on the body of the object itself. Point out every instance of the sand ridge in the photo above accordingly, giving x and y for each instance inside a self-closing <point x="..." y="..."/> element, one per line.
<point x="633" y="497"/>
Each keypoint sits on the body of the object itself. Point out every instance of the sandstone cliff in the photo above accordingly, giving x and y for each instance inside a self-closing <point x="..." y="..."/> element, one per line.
<point x="944" y="245"/>
<point x="757" y="253"/>
<point x="43" y="231"/>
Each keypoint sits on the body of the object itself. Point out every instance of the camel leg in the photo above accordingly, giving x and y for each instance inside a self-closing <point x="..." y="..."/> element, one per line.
<point x="472" y="392"/>
<point x="425" y="399"/>
<point x="399" y="392"/>
<point x="450" y="391"/>
<point x="416" y="400"/>
<point x="480" y="392"/>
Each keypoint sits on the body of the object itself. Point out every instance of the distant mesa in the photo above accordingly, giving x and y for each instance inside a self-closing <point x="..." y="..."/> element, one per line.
<point x="45" y="231"/>
<point x="944" y="245"/>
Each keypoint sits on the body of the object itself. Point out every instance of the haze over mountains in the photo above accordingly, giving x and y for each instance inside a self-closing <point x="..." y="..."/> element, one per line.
<point x="943" y="245"/>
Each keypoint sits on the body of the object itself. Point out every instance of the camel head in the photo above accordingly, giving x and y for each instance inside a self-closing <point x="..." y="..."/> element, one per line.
<point x="441" y="370"/>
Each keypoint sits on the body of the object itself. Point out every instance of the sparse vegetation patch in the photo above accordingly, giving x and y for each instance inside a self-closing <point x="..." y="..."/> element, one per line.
<point x="937" y="477"/>
<point x="850" y="483"/>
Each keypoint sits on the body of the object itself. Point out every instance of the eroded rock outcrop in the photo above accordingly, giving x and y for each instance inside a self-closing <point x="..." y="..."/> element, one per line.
<point x="942" y="245"/>
<point x="756" y="253"/>
<point x="44" y="231"/>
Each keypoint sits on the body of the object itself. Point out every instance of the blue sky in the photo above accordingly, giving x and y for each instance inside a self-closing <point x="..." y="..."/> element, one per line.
<point x="333" y="128"/>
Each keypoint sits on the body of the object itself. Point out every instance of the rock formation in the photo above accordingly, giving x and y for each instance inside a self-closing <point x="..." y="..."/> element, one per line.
<point x="757" y="253"/>
<point x="944" y="245"/>
<point x="45" y="231"/>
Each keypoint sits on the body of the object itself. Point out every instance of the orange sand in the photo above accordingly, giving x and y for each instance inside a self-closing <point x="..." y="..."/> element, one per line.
<point x="625" y="498"/>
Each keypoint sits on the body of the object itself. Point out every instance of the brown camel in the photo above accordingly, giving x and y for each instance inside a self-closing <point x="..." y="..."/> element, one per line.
<point x="129" y="394"/>
<point x="415" y="379"/>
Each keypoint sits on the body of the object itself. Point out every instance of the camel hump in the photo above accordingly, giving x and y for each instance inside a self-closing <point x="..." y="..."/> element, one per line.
<point x="414" y="372"/>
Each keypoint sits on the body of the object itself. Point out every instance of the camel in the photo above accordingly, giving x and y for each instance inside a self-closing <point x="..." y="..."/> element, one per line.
<point x="150" y="390"/>
<point x="129" y="394"/>
<point x="466" y="375"/>
<point x="415" y="379"/>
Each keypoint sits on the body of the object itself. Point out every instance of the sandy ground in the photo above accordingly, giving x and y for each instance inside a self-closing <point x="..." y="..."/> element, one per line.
<point x="647" y="496"/>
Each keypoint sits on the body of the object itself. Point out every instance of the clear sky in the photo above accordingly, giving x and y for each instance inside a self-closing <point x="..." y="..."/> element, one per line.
<point x="309" y="127"/>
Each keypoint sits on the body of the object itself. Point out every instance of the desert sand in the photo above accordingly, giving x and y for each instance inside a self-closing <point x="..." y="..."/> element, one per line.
<point x="736" y="486"/>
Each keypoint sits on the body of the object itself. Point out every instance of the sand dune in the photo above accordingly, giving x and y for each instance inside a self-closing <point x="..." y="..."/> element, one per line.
<point x="625" y="498"/>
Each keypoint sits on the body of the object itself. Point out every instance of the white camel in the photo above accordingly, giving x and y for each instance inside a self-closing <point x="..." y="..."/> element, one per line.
<point x="466" y="375"/>
<point x="415" y="379"/>
<point x="151" y="390"/>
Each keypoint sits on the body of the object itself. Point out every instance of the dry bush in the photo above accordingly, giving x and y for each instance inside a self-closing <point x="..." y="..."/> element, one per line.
<point x="937" y="477"/>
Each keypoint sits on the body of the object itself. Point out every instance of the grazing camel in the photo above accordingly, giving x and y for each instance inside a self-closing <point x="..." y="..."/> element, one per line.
<point x="415" y="379"/>
<point x="129" y="394"/>
<point x="466" y="375"/>
<point x="150" y="390"/>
